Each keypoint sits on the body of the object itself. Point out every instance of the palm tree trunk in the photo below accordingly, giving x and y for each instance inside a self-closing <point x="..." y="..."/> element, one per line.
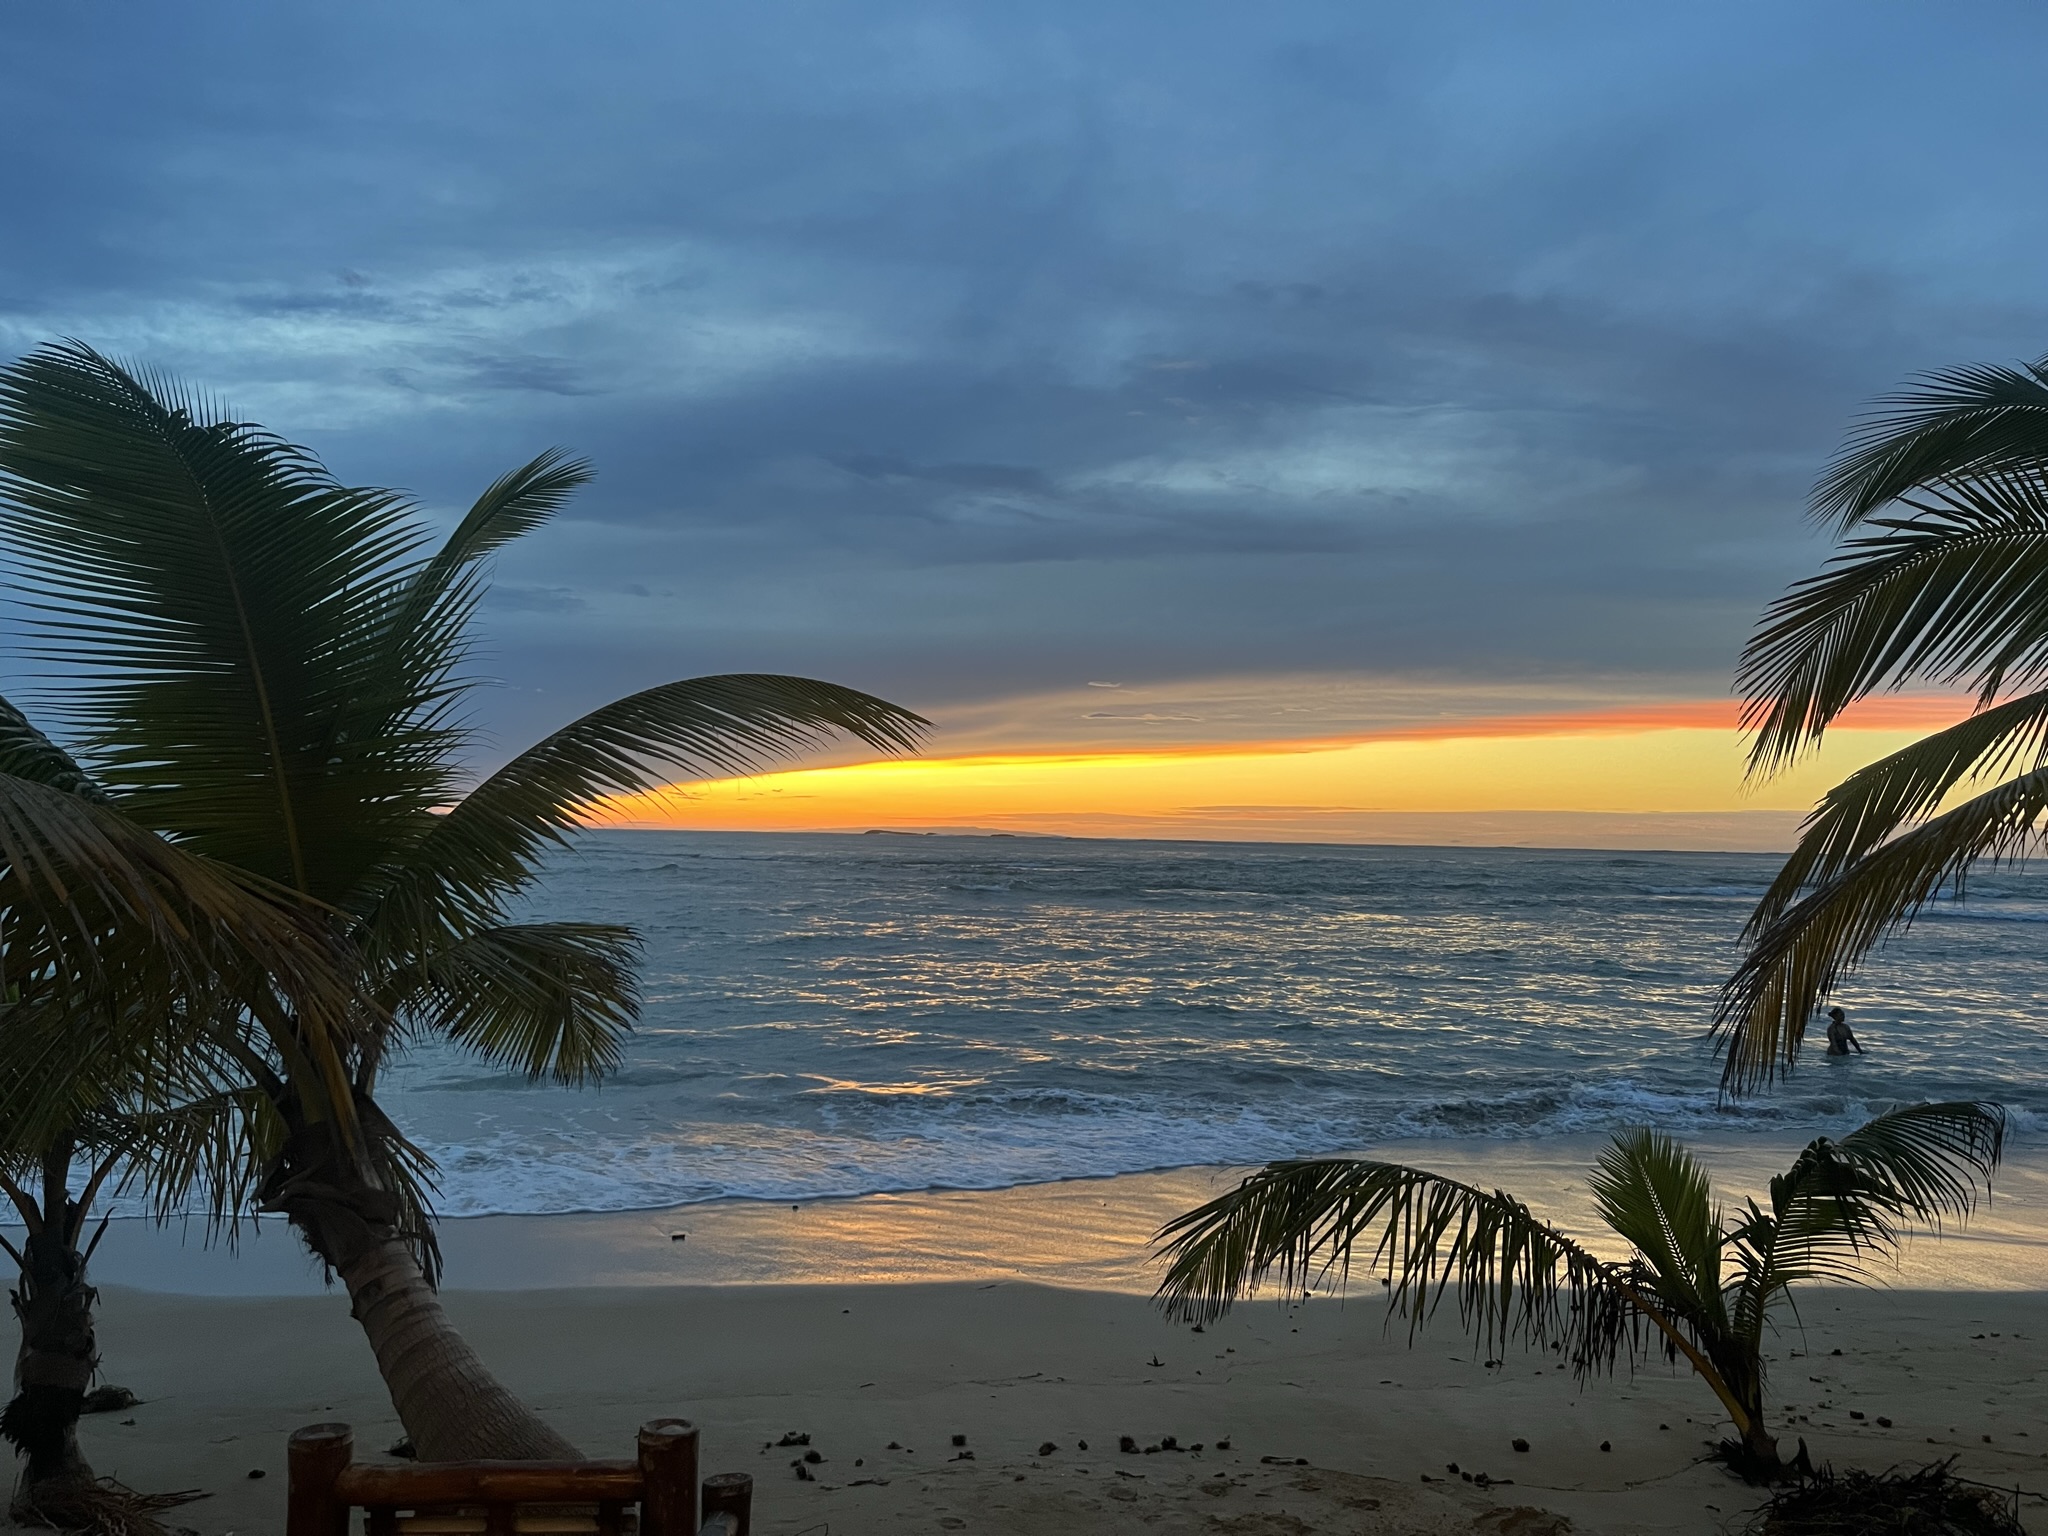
<point x="1762" y="1445"/>
<point x="58" y="1354"/>
<point x="1739" y="1359"/>
<point x="452" y="1407"/>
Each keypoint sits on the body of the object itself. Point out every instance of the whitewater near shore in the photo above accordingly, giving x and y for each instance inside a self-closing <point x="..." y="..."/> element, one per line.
<point x="826" y="1017"/>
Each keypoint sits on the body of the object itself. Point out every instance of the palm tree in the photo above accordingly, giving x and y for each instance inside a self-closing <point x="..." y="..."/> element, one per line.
<point x="1941" y="500"/>
<point x="98" y="918"/>
<point x="267" y="667"/>
<point x="54" y="1303"/>
<point x="1698" y="1284"/>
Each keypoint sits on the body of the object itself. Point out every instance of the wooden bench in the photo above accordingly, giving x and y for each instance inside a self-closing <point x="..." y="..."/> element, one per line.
<point x="508" y="1498"/>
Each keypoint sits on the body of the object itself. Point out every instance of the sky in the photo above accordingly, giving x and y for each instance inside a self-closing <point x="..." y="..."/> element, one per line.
<point x="1327" y="421"/>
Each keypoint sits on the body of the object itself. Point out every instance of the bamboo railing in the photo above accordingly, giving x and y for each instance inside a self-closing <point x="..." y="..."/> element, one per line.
<point x="514" y="1498"/>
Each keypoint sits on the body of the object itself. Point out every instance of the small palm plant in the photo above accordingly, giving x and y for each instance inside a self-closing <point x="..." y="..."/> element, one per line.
<point x="1698" y="1284"/>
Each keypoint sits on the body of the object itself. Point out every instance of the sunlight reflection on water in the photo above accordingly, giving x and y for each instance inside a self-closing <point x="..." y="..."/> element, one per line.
<point x="832" y="1016"/>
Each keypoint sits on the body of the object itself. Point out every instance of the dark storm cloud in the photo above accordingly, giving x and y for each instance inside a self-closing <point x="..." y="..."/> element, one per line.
<point x="953" y="351"/>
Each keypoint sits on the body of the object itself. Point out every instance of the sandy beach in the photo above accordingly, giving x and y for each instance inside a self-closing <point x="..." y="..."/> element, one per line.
<point x="1016" y="1318"/>
<point x="1332" y="1424"/>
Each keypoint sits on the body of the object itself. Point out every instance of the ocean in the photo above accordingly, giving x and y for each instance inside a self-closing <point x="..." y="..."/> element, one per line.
<point x="844" y="1015"/>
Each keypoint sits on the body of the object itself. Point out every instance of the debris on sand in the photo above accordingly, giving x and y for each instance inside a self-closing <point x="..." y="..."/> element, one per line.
<point x="1931" y="1501"/>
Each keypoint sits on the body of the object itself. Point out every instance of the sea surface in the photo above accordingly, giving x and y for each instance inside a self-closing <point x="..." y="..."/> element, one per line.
<point x="843" y="1015"/>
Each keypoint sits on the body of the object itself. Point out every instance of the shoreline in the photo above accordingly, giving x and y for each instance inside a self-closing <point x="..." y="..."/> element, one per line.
<point x="1087" y="1234"/>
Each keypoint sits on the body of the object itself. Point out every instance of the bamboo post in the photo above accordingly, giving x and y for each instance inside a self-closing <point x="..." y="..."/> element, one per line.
<point x="315" y="1458"/>
<point x="731" y="1493"/>
<point x="668" y="1467"/>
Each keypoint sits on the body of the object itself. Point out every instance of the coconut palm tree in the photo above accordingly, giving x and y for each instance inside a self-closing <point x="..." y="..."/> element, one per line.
<point x="53" y="1183"/>
<point x="1698" y="1283"/>
<point x="1941" y="502"/>
<point x="99" y="917"/>
<point x="267" y="667"/>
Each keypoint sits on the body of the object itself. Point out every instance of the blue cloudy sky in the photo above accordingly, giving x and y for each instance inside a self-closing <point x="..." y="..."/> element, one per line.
<point x="1290" y="365"/>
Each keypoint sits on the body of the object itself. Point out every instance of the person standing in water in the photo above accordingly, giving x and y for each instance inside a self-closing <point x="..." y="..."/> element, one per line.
<point x="1840" y="1036"/>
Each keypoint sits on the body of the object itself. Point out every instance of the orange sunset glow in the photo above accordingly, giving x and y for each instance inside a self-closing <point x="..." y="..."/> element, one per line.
<point x="1663" y="775"/>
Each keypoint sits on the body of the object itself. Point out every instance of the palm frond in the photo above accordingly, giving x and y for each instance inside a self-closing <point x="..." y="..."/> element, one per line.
<point x="1514" y="1277"/>
<point x="1842" y="1205"/>
<point x="1799" y="958"/>
<point x="1928" y="1160"/>
<point x="217" y="592"/>
<point x="486" y="847"/>
<point x="1952" y="424"/>
<point x="1657" y="1195"/>
<point x="27" y="753"/>
<point x="211" y="1148"/>
<point x="1872" y="804"/>
<point x="1956" y="594"/>
<point x="83" y="876"/>
<point x="425" y="628"/>
<point x="514" y="504"/>
<point x="549" y="999"/>
<point x="115" y="939"/>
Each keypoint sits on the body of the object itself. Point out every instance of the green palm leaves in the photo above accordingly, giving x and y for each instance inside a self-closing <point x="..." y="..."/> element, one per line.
<point x="1953" y="424"/>
<point x="1952" y="589"/>
<point x="1302" y="1222"/>
<point x="253" y="872"/>
<point x="1696" y="1282"/>
<point x="261" y="684"/>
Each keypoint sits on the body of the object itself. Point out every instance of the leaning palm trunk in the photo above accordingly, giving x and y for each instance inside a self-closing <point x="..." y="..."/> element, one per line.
<point x="452" y="1407"/>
